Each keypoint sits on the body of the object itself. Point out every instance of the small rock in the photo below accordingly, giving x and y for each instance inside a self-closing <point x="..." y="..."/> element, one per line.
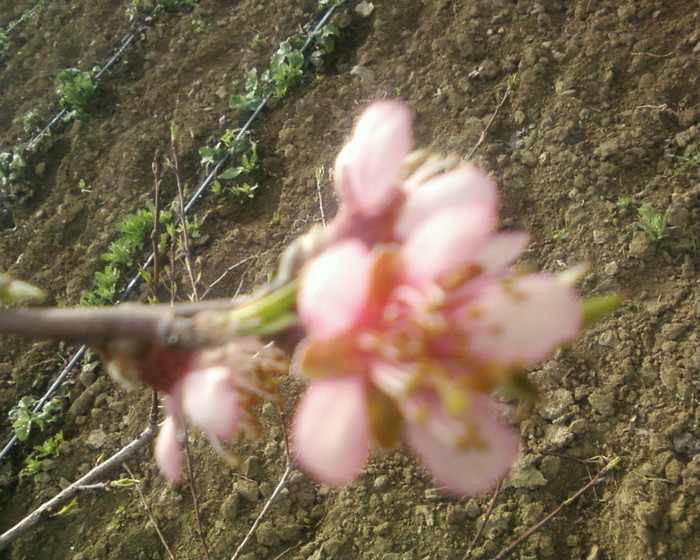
<point x="248" y="489"/>
<point x="266" y="534"/>
<point x="489" y="69"/>
<point x="368" y="79"/>
<point x="252" y="467"/>
<point x="603" y="402"/>
<point x="96" y="439"/>
<point x="364" y="9"/>
<point x="525" y="476"/>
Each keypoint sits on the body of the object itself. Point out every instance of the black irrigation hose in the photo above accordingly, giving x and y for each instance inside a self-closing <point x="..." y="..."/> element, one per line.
<point x="194" y="199"/>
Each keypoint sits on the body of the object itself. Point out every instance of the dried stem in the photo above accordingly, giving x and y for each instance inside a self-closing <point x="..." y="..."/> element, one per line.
<point x="289" y="467"/>
<point x="482" y="137"/>
<point x="150" y="515"/>
<point x="487" y="516"/>
<point x="195" y="500"/>
<point x="537" y="526"/>
<point x="183" y="218"/>
<point x="66" y="495"/>
<point x="157" y="168"/>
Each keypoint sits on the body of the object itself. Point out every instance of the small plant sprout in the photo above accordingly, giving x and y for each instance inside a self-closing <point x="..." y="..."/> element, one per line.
<point x="623" y="202"/>
<point x="83" y="187"/>
<point x="198" y="26"/>
<point x="652" y="222"/>
<point x="24" y="417"/>
<point x="30" y="121"/>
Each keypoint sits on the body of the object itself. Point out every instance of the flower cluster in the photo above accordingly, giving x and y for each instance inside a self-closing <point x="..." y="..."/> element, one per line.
<point x="413" y="316"/>
<point x="213" y="390"/>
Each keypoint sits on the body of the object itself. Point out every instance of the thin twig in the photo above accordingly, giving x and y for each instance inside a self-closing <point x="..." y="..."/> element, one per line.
<point x="157" y="168"/>
<point x="320" y="172"/>
<point x="183" y="217"/>
<point x="509" y="89"/>
<point x="152" y="519"/>
<point x="537" y="526"/>
<point x="195" y="500"/>
<point x="229" y="269"/>
<point x="487" y="516"/>
<point x="289" y="467"/>
<point x="66" y="495"/>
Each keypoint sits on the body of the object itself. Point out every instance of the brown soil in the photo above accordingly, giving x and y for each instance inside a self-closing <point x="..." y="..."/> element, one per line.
<point x="605" y="108"/>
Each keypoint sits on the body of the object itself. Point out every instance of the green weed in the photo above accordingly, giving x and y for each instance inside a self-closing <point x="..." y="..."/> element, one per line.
<point x="33" y="463"/>
<point x="30" y="121"/>
<point x="24" y="418"/>
<point x="652" y="222"/>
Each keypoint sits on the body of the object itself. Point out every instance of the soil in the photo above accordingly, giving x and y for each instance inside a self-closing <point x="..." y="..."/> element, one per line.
<point x="603" y="118"/>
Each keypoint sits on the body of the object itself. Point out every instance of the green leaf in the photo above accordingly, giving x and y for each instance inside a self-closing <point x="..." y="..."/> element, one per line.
<point x="231" y="173"/>
<point x="597" y="307"/>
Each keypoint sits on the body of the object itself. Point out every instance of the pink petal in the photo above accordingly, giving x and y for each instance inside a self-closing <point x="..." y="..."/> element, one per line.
<point x="167" y="451"/>
<point x="330" y="432"/>
<point x="210" y="400"/>
<point x="334" y="289"/>
<point x="447" y="241"/>
<point x="502" y="249"/>
<point x="456" y="188"/>
<point x="370" y="163"/>
<point x="521" y="321"/>
<point x="465" y="470"/>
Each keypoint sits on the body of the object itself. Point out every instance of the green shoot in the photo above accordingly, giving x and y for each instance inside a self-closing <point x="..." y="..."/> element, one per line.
<point x="83" y="187"/>
<point x="30" y="121"/>
<point x="652" y="222"/>
<point x="24" y="418"/>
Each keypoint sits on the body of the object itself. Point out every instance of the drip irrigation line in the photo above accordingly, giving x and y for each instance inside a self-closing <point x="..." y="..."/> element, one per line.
<point x="25" y="16"/>
<point x="136" y="280"/>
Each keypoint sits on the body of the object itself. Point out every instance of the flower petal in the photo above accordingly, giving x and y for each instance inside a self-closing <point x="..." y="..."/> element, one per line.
<point x="334" y="289"/>
<point x="520" y="321"/>
<point x="330" y="433"/>
<point x="370" y="163"/>
<point x="502" y="249"/>
<point x="210" y="400"/>
<point x="167" y="451"/>
<point x="447" y="242"/>
<point x="456" y="188"/>
<point x="462" y="469"/>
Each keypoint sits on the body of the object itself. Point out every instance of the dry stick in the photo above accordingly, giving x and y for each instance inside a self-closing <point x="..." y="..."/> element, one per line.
<point x="527" y="534"/>
<point x="319" y="177"/>
<point x="150" y="515"/>
<point x="195" y="500"/>
<point x="183" y="217"/>
<point x="289" y="467"/>
<point x="64" y="496"/>
<point x="489" y="511"/>
<point x="493" y="118"/>
<point x="157" y="168"/>
<point x="229" y="269"/>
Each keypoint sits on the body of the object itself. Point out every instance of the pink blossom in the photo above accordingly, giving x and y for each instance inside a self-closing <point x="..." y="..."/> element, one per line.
<point x="212" y="390"/>
<point x="413" y="321"/>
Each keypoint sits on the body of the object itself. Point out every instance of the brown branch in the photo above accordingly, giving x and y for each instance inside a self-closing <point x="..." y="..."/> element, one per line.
<point x="487" y="516"/>
<point x="157" y="167"/>
<point x="66" y="495"/>
<point x="152" y="519"/>
<point x="183" y="218"/>
<point x="537" y="526"/>
<point x="195" y="500"/>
